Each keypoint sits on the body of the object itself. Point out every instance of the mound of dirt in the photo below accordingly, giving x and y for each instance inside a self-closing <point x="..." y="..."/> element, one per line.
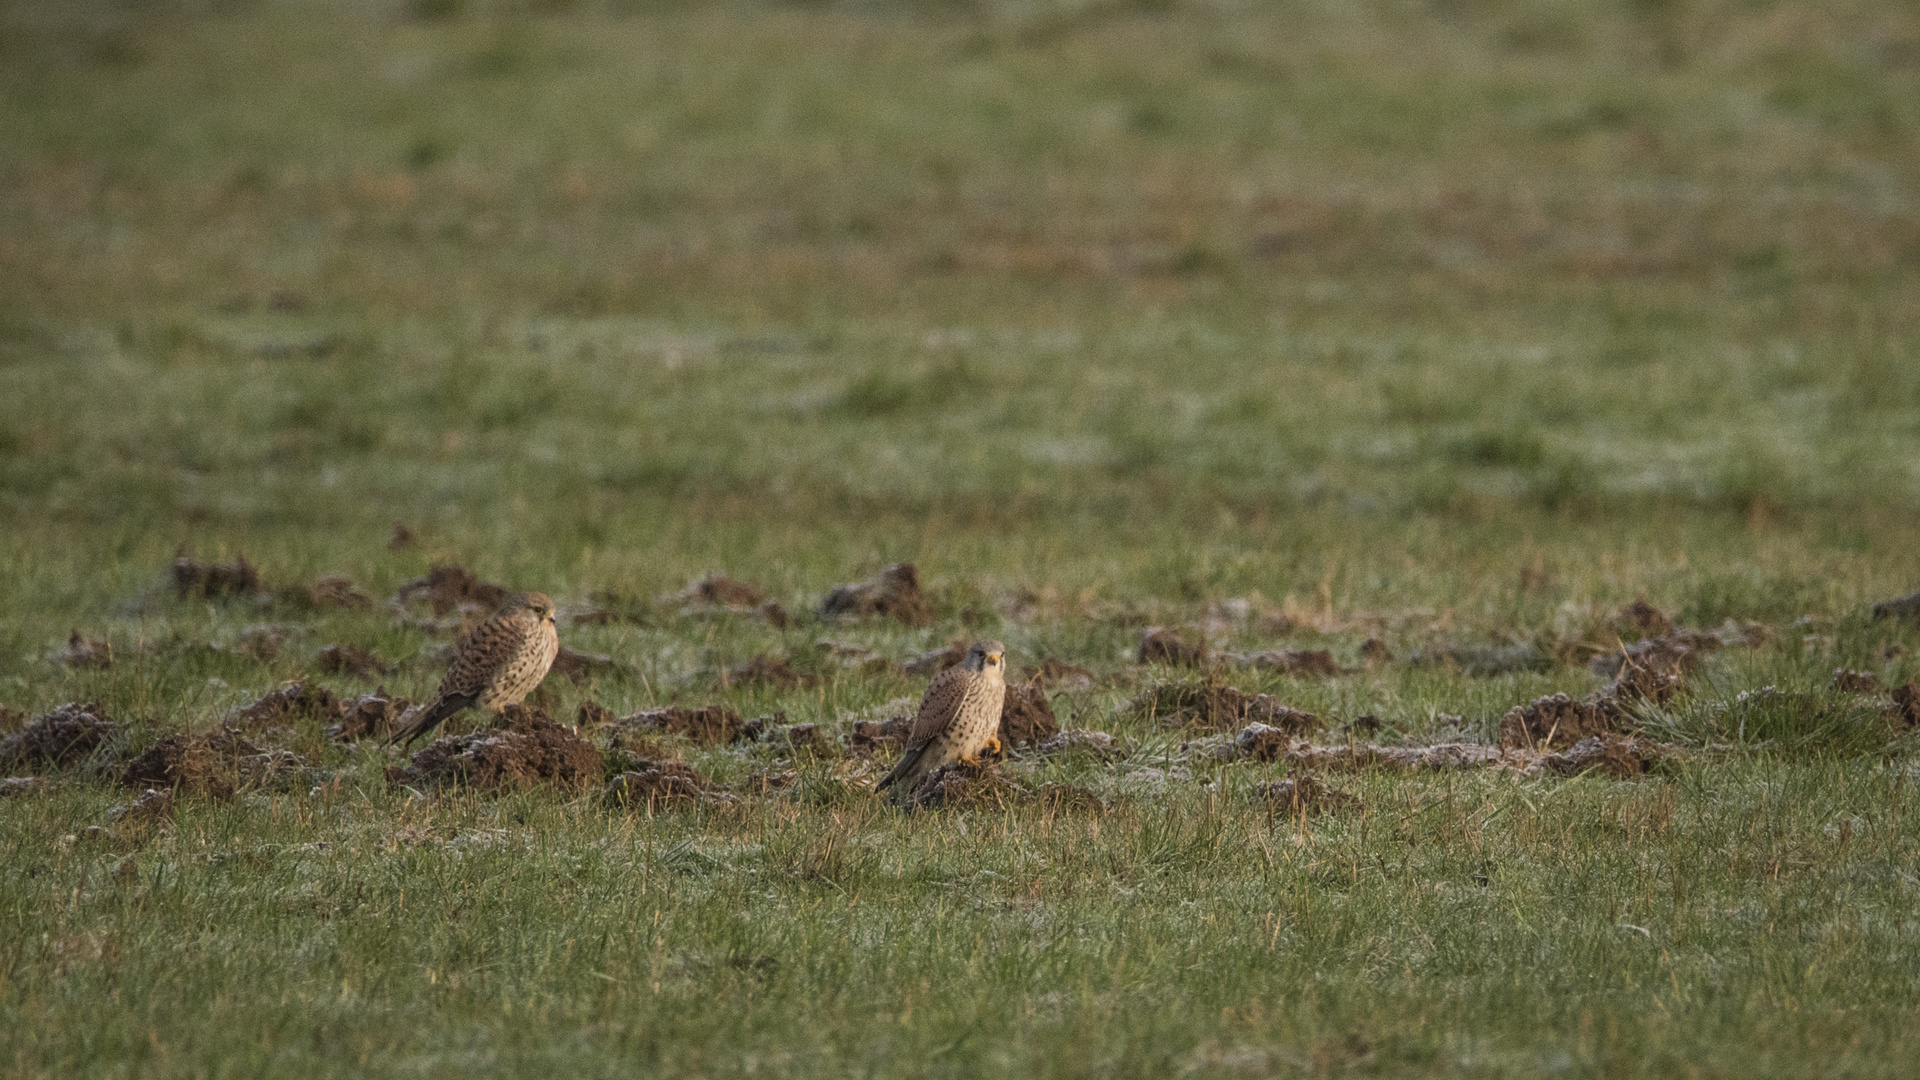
<point x="85" y="652"/>
<point x="289" y="704"/>
<point x="1906" y="705"/>
<point x="448" y="587"/>
<point x="801" y="738"/>
<point x="1159" y="645"/>
<point x="401" y="538"/>
<point x="1375" y="651"/>
<point x="1442" y="756"/>
<point x="1261" y="742"/>
<point x="719" y="590"/>
<point x="1640" y="619"/>
<point x="1056" y="674"/>
<point x="1906" y="607"/>
<point x="1303" y="794"/>
<point x="1608" y="753"/>
<point x="351" y="660"/>
<point x="1098" y="744"/>
<point x="1026" y="719"/>
<point x="765" y="670"/>
<point x="330" y="593"/>
<point x="1212" y="705"/>
<point x="524" y="748"/>
<point x="661" y="785"/>
<point x="1652" y="670"/>
<point x="1552" y="722"/>
<point x="579" y="667"/>
<point x="709" y="725"/>
<point x="1301" y="663"/>
<point x="869" y="736"/>
<point x="217" y="762"/>
<point x="1855" y="682"/>
<point x="893" y="592"/>
<point x="370" y="716"/>
<point x="195" y="579"/>
<point x="592" y="714"/>
<point x="59" y="738"/>
<point x="967" y="787"/>
<point x="262" y="643"/>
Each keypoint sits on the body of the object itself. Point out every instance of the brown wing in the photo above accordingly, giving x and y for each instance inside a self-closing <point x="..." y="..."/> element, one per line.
<point x="492" y="644"/>
<point x="939" y="707"/>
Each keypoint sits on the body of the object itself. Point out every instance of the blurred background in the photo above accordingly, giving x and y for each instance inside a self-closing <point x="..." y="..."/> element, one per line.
<point x="620" y="288"/>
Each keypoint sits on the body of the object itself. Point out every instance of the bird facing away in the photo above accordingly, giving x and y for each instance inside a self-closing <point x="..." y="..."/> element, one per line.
<point x="958" y="718"/>
<point x="497" y="665"/>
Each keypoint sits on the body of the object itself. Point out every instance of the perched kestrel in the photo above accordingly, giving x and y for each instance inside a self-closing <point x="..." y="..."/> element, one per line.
<point x="958" y="717"/>
<point x="497" y="665"/>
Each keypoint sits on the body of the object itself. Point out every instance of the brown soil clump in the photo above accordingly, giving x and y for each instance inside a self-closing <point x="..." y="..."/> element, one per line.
<point x="192" y="578"/>
<point x="1303" y="794"/>
<point x="1652" y="670"/>
<point x="217" y="762"/>
<point x="710" y="725"/>
<point x="291" y="703"/>
<point x="1609" y="754"/>
<point x="661" y="785"/>
<point x="893" y="592"/>
<point x="400" y="539"/>
<point x="331" y="593"/>
<point x="579" y="667"/>
<point x="59" y="738"/>
<point x="1906" y="704"/>
<point x="1215" y="706"/>
<point x="370" y="716"/>
<point x="23" y="785"/>
<point x="85" y="652"/>
<point x="152" y="805"/>
<point x="524" y="748"/>
<point x="935" y="661"/>
<point x="448" y="587"/>
<point x="965" y="787"/>
<point x="1438" y="757"/>
<point x="1552" y="722"/>
<point x="802" y="739"/>
<point x="720" y="590"/>
<point x="262" y="643"/>
<point x="12" y="720"/>
<point x="1158" y="645"/>
<point x="592" y="714"/>
<point x="351" y="660"/>
<point x="1855" y="682"/>
<point x="1906" y="607"/>
<point x="1261" y="742"/>
<point x="1375" y="651"/>
<point x="765" y="670"/>
<point x="1099" y="744"/>
<point x="1026" y="719"/>
<point x="870" y="736"/>
<point x="1054" y="674"/>
<point x="1642" y="619"/>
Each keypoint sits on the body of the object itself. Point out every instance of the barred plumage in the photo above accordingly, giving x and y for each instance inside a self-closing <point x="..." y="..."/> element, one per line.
<point x="958" y="716"/>
<point x="499" y="664"/>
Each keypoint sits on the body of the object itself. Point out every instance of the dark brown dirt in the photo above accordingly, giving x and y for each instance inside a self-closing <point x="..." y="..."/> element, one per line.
<point x="448" y="587"/>
<point x="1054" y="674"/>
<point x="661" y="785"/>
<point x="1303" y="663"/>
<point x="869" y="736"/>
<point x="400" y="539"/>
<point x="1855" y="682"/>
<point x="579" y="667"/>
<point x="1375" y="651"/>
<point x="153" y="805"/>
<point x="1905" y="608"/>
<point x="723" y="591"/>
<point x="192" y="578"/>
<point x="1212" y="705"/>
<point x="1640" y="619"/>
<point x="935" y="661"/>
<point x="1906" y="704"/>
<point x="262" y="643"/>
<point x="290" y="704"/>
<point x="1159" y="645"/>
<point x="332" y="593"/>
<point x="592" y="714"/>
<point x="1364" y="724"/>
<point x="893" y="592"/>
<point x="1027" y="718"/>
<point x="351" y="660"/>
<point x="1652" y="670"/>
<point x="62" y="737"/>
<point x="1552" y="722"/>
<point x="710" y="725"/>
<point x="1609" y="753"/>
<point x="217" y="762"/>
<point x="524" y="748"/>
<point x="802" y="739"/>
<point x="1303" y="794"/>
<point x="967" y="787"/>
<point x="370" y="716"/>
<point x="1261" y="742"/>
<point x="765" y="670"/>
<point x="86" y="652"/>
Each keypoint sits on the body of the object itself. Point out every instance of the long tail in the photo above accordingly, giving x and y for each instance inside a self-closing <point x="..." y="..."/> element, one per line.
<point x="908" y="762"/>
<point x="430" y="716"/>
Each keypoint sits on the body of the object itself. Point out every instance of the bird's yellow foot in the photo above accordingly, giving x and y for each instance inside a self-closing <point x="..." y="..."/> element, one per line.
<point x="994" y="745"/>
<point x="970" y="762"/>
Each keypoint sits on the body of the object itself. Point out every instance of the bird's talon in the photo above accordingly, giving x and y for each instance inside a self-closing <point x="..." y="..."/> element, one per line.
<point x="994" y="743"/>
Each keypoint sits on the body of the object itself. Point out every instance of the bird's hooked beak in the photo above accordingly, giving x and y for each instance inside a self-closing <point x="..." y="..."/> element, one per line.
<point x="994" y="657"/>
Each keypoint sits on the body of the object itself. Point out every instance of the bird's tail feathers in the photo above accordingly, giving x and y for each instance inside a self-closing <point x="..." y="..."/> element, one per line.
<point x="908" y="762"/>
<point x="429" y="717"/>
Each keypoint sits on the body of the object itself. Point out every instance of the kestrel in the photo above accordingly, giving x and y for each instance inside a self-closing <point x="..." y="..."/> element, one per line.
<point x="497" y="665"/>
<point x="958" y="717"/>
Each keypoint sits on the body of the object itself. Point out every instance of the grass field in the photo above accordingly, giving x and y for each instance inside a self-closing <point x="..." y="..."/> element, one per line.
<point x="1454" y="326"/>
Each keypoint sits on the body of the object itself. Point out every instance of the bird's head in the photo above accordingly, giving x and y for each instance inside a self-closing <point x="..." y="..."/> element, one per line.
<point x="540" y="605"/>
<point x="987" y="656"/>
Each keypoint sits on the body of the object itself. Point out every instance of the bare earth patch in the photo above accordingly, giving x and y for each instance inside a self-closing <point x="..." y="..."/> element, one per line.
<point x="524" y="748"/>
<point x="62" y="737"/>
<point x="893" y="592"/>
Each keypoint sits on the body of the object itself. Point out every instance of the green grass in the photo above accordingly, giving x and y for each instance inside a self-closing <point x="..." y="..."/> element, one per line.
<point x="1452" y="324"/>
